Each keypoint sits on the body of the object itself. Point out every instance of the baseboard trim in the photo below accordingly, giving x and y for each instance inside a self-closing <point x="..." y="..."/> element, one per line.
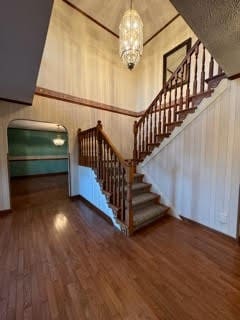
<point x="94" y="208"/>
<point x="209" y="229"/>
<point x="5" y="211"/>
<point x="39" y="175"/>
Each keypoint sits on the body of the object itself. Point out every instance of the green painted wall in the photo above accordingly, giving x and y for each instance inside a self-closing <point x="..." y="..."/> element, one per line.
<point x="36" y="143"/>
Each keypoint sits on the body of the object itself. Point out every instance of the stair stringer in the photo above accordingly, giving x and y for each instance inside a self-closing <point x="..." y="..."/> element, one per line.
<point x="205" y="103"/>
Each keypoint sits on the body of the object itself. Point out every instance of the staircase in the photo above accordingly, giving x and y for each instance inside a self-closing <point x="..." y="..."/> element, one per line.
<point x="130" y="198"/>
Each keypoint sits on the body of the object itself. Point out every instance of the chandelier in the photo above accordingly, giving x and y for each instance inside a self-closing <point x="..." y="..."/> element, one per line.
<point x="131" y="38"/>
<point x="58" y="141"/>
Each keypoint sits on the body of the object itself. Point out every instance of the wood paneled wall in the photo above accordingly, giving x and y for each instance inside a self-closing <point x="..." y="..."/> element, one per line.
<point x="198" y="172"/>
<point x="82" y="60"/>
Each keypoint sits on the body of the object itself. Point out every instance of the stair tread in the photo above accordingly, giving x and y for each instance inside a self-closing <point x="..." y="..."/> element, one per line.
<point x="144" y="197"/>
<point x="141" y="216"/>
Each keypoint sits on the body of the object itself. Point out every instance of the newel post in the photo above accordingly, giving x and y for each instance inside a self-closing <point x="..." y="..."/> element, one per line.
<point x="129" y="209"/>
<point x="79" y="147"/>
<point x="99" y="155"/>
<point x="135" y="131"/>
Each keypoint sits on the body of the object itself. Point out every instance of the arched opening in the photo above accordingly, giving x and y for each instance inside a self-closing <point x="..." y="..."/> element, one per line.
<point x="38" y="162"/>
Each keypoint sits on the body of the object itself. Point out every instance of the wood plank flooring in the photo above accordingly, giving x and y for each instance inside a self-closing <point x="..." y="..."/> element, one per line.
<point x="59" y="260"/>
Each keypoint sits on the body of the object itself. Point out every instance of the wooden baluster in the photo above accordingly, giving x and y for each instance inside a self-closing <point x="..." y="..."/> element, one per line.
<point x="107" y="169"/>
<point x="175" y="96"/>
<point x="160" y="130"/>
<point x="122" y="194"/>
<point x="203" y="70"/>
<point x="151" y="125"/>
<point x="104" y="163"/>
<point x="83" y="149"/>
<point x="188" y="71"/>
<point x="169" y="118"/>
<point x="140" y="141"/>
<point x="181" y="89"/>
<point x="118" y="184"/>
<point x="164" y="111"/>
<point x="129" y="211"/>
<point x="143" y="135"/>
<point x="99" y="160"/>
<point x="89" y="150"/>
<point x="95" y="149"/>
<point x="196" y="71"/>
<point x="114" y="180"/>
<point x="147" y="120"/>
<point x="111" y="174"/>
<point x="135" y="146"/>
<point x="155" y="121"/>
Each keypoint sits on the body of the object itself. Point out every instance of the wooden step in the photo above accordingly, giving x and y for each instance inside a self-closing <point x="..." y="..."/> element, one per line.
<point x="144" y="199"/>
<point x="145" y="216"/>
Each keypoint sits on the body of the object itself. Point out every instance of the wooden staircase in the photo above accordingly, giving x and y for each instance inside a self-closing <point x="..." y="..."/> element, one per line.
<point x="131" y="199"/>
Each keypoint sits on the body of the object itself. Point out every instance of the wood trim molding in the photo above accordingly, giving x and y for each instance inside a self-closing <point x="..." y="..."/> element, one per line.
<point x="234" y="77"/>
<point x="109" y="30"/>
<point x="40" y="175"/>
<point x="83" y="102"/>
<point x="90" y="18"/>
<point x="160" y="30"/>
<point x="30" y="158"/>
<point x="91" y="206"/>
<point x="5" y="211"/>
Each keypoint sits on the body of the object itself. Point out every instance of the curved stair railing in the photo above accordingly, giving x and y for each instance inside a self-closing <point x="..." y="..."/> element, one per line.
<point x="193" y="80"/>
<point x="114" y="174"/>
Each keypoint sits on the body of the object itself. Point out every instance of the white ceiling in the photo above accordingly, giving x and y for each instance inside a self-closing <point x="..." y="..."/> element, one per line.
<point x="36" y="125"/>
<point x="154" y="13"/>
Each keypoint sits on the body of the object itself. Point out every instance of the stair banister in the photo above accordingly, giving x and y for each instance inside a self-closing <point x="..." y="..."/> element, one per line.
<point x="180" y="95"/>
<point x="113" y="172"/>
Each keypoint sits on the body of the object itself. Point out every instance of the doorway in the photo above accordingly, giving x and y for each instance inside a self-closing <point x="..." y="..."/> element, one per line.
<point x="38" y="161"/>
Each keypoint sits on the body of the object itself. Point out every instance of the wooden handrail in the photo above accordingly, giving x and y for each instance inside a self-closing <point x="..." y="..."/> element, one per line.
<point x="113" y="172"/>
<point x="175" y="73"/>
<point x="195" y="78"/>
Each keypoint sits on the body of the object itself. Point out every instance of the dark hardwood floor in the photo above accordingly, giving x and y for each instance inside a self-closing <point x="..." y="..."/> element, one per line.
<point x="59" y="260"/>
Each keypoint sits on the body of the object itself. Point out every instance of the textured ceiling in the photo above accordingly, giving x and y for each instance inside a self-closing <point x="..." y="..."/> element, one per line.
<point x="154" y="13"/>
<point x="217" y="24"/>
<point x="35" y="125"/>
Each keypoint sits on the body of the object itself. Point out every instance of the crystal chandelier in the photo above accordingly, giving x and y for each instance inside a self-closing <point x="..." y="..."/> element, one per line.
<point x="131" y="38"/>
<point x="58" y="141"/>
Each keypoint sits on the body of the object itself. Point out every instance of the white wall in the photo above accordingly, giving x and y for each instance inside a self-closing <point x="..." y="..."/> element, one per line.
<point x="198" y="170"/>
<point x="90" y="189"/>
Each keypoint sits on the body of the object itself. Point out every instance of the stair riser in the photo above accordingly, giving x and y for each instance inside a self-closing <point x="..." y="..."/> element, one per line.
<point x="138" y="179"/>
<point x="146" y="203"/>
<point x="149" y="222"/>
<point x="140" y="191"/>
